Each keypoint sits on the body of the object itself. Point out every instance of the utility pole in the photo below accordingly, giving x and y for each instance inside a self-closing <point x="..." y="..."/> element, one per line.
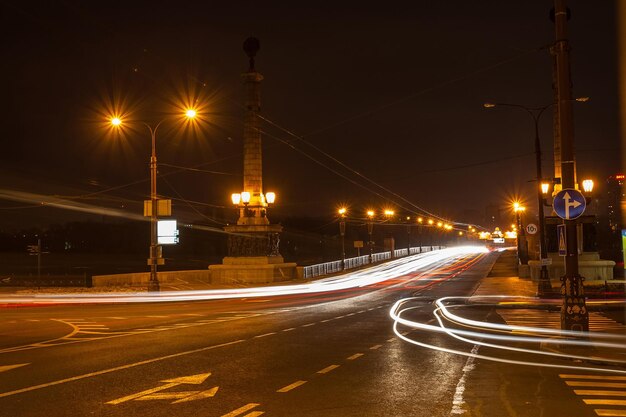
<point x="574" y="314"/>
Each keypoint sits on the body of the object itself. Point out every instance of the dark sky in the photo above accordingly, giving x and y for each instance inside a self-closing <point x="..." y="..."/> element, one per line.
<point x="393" y="90"/>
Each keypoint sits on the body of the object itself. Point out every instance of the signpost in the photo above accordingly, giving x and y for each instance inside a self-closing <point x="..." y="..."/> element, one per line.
<point x="569" y="204"/>
<point x="531" y="228"/>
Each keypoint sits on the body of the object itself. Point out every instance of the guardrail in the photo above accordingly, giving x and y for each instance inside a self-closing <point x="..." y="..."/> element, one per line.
<point x="317" y="270"/>
<point x="82" y="280"/>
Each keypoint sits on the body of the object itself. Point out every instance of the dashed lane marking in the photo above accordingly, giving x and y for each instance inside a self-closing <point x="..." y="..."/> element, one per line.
<point x="375" y="347"/>
<point x="289" y="329"/>
<point x="291" y="386"/>
<point x="355" y="356"/>
<point x="4" y="368"/>
<point x="328" y="369"/>
<point x="264" y="335"/>
<point x="254" y="414"/>
<point x="241" y="410"/>
<point x="308" y="325"/>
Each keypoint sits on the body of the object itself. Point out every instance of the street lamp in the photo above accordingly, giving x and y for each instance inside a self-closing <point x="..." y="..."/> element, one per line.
<point x="342" y="231"/>
<point x="408" y="234"/>
<point x="588" y="186"/>
<point x="420" y="220"/>
<point x="543" y="286"/>
<point x="370" y="229"/>
<point x="155" y="249"/>
<point x="518" y="209"/>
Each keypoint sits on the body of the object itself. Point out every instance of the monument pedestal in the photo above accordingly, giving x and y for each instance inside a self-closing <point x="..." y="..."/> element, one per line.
<point x="253" y="257"/>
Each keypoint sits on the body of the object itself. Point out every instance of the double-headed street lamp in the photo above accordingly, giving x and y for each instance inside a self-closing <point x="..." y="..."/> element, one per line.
<point x="155" y="249"/>
<point x="543" y="287"/>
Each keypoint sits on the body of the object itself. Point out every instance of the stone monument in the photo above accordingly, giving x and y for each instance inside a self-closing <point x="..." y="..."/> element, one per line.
<point x="253" y="243"/>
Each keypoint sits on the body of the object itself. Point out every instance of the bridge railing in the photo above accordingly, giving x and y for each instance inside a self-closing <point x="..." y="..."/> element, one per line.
<point x="317" y="270"/>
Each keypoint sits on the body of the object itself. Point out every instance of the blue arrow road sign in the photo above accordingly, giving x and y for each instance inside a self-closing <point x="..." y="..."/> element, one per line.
<point x="569" y="204"/>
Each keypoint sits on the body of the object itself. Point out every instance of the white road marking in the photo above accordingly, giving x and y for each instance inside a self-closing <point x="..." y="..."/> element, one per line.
<point x="355" y="356"/>
<point x="4" y="368"/>
<point x="117" y="368"/>
<point x="241" y="410"/>
<point x="264" y="335"/>
<point x="375" y="347"/>
<point x="289" y="329"/>
<point x="291" y="386"/>
<point x="458" y="401"/>
<point x="328" y="369"/>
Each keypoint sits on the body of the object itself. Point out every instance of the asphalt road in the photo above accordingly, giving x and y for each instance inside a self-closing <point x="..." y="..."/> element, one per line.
<point x="328" y="354"/>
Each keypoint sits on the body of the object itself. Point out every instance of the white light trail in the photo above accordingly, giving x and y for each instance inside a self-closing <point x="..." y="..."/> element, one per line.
<point x="484" y="329"/>
<point x="357" y="279"/>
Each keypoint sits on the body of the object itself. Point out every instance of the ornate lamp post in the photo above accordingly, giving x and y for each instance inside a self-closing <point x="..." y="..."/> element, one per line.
<point x="521" y="256"/>
<point x="155" y="249"/>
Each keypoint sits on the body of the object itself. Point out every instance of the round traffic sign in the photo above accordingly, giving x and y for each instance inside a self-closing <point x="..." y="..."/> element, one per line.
<point x="531" y="228"/>
<point x="569" y="204"/>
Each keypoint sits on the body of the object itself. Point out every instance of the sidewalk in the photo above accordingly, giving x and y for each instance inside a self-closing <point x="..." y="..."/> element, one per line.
<point x="503" y="280"/>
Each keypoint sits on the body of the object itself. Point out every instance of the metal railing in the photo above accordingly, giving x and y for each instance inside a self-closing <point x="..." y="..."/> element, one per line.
<point x="317" y="270"/>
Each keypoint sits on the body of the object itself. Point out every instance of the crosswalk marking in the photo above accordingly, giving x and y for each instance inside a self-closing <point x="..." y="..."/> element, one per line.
<point x="600" y="381"/>
<point x="602" y="377"/>
<point x="552" y="320"/>
<point x="604" y="401"/>
<point x="610" y="413"/>
<point x="600" y="392"/>
<point x="596" y="384"/>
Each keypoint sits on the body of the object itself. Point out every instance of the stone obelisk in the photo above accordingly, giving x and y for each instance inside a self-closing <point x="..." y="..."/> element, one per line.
<point x="253" y="250"/>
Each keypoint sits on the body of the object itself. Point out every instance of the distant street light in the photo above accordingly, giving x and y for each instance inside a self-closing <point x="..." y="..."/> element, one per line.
<point x="588" y="186"/>
<point x="370" y="230"/>
<point x="155" y="248"/>
<point x="521" y="253"/>
<point x="342" y="231"/>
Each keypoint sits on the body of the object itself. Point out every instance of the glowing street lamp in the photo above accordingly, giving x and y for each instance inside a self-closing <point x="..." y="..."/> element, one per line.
<point x="588" y="186"/>
<point x="155" y="248"/>
<point x="270" y="197"/>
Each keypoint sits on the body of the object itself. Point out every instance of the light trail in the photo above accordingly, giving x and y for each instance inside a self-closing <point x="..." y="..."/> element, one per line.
<point x="483" y="330"/>
<point x="352" y="280"/>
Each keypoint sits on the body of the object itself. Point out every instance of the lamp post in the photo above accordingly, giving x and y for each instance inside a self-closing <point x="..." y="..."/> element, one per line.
<point x="543" y="286"/>
<point x="408" y="235"/>
<point x="370" y="229"/>
<point x="518" y="209"/>
<point x="342" y="231"/>
<point x="419" y="233"/>
<point x="430" y="233"/>
<point x="155" y="249"/>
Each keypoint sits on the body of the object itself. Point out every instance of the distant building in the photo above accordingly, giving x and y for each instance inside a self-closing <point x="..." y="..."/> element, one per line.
<point x="610" y="220"/>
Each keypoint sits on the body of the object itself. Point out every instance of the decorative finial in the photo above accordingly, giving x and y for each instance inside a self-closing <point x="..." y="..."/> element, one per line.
<point x="251" y="46"/>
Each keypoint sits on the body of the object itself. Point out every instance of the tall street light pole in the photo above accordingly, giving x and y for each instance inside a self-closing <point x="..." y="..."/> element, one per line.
<point x="544" y="288"/>
<point x="370" y="230"/>
<point x="155" y="249"/>
<point x="342" y="231"/>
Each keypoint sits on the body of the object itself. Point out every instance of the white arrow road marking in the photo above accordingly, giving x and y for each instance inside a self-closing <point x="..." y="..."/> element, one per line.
<point x="179" y="396"/>
<point x="9" y="367"/>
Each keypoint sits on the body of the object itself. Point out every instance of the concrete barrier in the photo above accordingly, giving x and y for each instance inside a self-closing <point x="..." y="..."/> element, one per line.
<point x="137" y="279"/>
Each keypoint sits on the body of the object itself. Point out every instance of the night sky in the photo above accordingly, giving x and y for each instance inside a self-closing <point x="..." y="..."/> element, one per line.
<point x="392" y="90"/>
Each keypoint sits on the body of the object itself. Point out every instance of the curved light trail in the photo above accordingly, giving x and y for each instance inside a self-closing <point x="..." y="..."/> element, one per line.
<point x="356" y="279"/>
<point x="505" y="333"/>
